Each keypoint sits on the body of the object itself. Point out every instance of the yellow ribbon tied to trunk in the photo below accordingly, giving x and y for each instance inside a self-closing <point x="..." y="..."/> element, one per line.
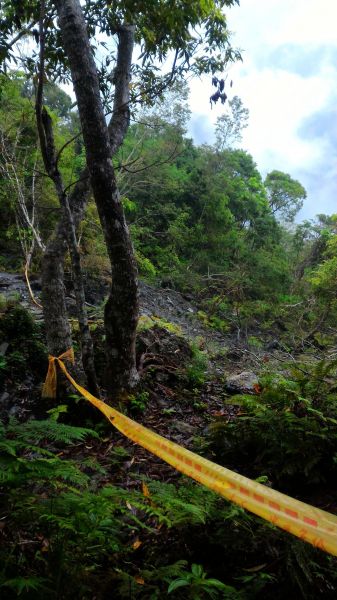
<point x="311" y="524"/>
<point x="50" y="385"/>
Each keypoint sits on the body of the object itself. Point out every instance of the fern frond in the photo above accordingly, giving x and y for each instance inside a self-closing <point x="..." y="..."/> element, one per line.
<point x="36" y="431"/>
<point x="20" y="584"/>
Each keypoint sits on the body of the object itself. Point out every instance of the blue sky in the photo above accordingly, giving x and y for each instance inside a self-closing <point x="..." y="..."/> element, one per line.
<point x="288" y="81"/>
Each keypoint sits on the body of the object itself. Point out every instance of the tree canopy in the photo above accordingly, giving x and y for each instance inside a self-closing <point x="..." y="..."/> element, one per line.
<point x="285" y="195"/>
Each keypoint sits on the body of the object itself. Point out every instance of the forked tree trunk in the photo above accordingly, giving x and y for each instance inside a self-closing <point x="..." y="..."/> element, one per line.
<point x="121" y="310"/>
<point x="50" y="160"/>
<point x="54" y="303"/>
<point x="58" y="331"/>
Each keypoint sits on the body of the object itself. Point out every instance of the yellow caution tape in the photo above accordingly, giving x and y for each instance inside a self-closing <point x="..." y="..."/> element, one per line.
<point x="49" y="387"/>
<point x="313" y="525"/>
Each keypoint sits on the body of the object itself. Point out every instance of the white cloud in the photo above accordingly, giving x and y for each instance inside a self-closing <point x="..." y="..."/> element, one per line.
<point x="289" y="74"/>
<point x="274" y="22"/>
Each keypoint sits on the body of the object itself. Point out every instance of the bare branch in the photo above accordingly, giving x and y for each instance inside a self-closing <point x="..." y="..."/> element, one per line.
<point x="21" y="34"/>
<point x="154" y="164"/>
<point x="80" y="180"/>
<point x="70" y="141"/>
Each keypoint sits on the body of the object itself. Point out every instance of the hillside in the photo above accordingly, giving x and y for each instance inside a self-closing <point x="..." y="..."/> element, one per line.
<point x="189" y="395"/>
<point x="168" y="396"/>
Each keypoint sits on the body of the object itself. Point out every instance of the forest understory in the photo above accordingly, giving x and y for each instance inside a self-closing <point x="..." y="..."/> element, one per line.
<point x="83" y="508"/>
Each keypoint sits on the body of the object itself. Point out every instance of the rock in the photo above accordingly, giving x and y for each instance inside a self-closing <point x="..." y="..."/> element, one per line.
<point x="3" y="348"/>
<point x="273" y="345"/>
<point x="12" y="283"/>
<point x="243" y="383"/>
<point x="168" y="304"/>
<point x="184" y="428"/>
<point x="14" y="411"/>
<point x="4" y="398"/>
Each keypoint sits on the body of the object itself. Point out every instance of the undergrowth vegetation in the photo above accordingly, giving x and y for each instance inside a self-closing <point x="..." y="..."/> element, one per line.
<point x="76" y="513"/>
<point x="287" y="432"/>
<point x="63" y="527"/>
<point x="25" y="350"/>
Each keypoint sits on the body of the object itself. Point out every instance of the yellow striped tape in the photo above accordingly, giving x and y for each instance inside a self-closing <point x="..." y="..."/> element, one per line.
<point x="311" y="524"/>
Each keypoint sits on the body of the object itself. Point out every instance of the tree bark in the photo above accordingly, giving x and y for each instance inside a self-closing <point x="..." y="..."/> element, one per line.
<point x="121" y="310"/>
<point x="57" y="326"/>
<point x="58" y="330"/>
<point x="50" y="160"/>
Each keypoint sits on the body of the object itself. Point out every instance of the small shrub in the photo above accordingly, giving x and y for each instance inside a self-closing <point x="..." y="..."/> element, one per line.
<point x="255" y="342"/>
<point x="196" y="370"/>
<point x="197" y="586"/>
<point x="145" y="266"/>
<point x="26" y="351"/>
<point x="138" y="402"/>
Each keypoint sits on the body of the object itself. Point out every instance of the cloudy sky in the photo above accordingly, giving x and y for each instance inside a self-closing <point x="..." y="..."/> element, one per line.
<point x="288" y="81"/>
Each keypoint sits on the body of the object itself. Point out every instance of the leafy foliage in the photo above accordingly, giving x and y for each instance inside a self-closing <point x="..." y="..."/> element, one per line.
<point x="196" y="370"/>
<point x="277" y="430"/>
<point x="199" y="586"/>
<point x="26" y="350"/>
<point x="285" y="195"/>
<point x="69" y="522"/>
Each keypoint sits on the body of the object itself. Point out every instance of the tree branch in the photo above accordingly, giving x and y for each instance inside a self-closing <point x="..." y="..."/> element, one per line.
<point x="21" y="34"/>
<point x="154" y="164"/>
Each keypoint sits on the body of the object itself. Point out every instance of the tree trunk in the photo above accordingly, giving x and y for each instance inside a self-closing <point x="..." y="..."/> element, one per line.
<point x="50" y="160"/>
<point x="87" y="348"/>
<point x="54" y="302"/>
<point x="121" y="310"/>
<point x="58" y="330"/>
<point x="53" y="289"/>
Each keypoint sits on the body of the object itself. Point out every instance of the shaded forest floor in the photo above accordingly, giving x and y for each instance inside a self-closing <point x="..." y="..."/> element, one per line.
<point x="187" y="394"/>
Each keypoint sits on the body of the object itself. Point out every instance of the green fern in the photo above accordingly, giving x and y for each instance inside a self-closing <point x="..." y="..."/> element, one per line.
<point x="36" y="431"/>
<point x="21" y="460"/>
<point x="189" y="504"/>
<point x="156" y="580"/>
<point x="303" y="568"/>
<point x="24" y="584"/>
<point x="288" y="432"/>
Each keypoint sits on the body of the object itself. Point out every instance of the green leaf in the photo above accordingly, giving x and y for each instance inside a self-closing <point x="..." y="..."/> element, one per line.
<point x="197" y="570"/>
<point x="177" y="583"/>
<point x="219" y="585"/>
<point x="19" y="584"/>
